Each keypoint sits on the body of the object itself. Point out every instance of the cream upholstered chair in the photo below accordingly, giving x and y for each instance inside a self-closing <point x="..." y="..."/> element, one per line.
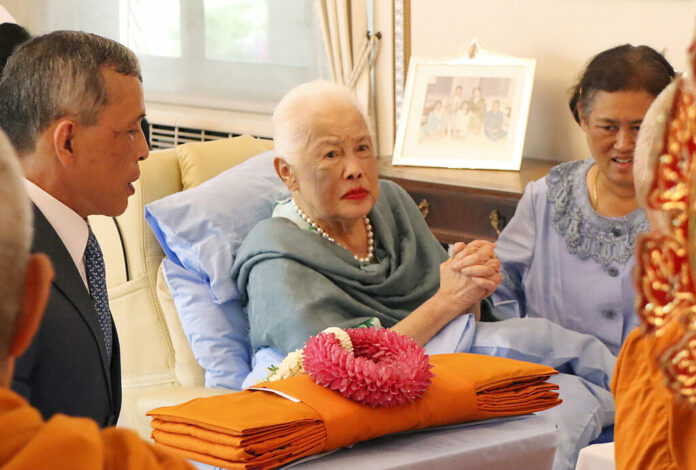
<point x="158" y="367"/>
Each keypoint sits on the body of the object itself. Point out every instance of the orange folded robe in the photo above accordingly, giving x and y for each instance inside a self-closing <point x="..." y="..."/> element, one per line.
<point x="261" y="430"/>
<point x="652" y="429"/>
<point x="66" y="443"/>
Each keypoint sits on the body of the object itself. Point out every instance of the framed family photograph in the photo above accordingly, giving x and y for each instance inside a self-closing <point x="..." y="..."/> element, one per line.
<point x="465" y="112"/>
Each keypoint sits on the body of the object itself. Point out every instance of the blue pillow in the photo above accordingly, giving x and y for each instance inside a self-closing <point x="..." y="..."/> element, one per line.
<point x="200" y="231"/>
<point x="218" y="333"/>
<point x="202" y="228"/>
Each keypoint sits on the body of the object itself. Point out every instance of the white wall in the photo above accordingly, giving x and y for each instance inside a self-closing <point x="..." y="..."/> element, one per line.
<point x="26" y="12"/>
<point x="562" y="35"/>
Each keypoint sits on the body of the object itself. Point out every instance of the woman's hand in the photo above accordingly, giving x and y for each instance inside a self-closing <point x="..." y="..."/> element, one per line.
<point x="471" y="274"/>
<point x="477" y="260"/>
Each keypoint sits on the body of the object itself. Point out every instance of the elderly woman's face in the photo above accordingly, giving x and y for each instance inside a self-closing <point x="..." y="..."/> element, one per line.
<point x="336" y="175"/>
<point x="612" y="128"/>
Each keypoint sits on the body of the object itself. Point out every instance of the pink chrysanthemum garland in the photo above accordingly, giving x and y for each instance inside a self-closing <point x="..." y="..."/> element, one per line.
<point x="385" y="369"/>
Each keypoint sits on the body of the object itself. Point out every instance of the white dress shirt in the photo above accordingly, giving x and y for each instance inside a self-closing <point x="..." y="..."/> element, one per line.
<point x="70" y="227"/>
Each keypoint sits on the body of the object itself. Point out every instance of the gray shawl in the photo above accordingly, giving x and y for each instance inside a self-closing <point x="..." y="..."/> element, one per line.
<point x="295" y="283"/>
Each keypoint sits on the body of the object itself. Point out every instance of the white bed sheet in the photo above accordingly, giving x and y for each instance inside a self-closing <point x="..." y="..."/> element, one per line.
<point x="521" y="443"/>
<point x="597" y="457"/>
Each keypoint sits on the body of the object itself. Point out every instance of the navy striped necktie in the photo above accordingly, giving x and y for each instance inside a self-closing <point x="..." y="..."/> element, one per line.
<point x="96" y="280"/>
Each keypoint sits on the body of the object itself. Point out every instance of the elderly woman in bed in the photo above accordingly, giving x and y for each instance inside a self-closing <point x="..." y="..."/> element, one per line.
<point x="347" y="247"/>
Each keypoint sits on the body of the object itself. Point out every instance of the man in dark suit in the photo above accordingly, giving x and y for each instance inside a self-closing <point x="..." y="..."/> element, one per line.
<point x="26" y="440"/>
<point x="71" y="104"/>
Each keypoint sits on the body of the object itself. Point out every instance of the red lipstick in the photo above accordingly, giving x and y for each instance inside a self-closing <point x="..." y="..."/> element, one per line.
<point x="356" y="194"/>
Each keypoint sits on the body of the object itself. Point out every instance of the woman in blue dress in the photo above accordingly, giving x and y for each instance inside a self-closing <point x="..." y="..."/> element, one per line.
<point x="567" y="253"/>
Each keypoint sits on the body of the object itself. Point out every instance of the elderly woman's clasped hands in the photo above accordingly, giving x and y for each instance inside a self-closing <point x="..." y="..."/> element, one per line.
<point x="470" y="274"/>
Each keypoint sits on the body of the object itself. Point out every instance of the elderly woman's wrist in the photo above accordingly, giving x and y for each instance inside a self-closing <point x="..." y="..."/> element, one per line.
<point x="448" y="307"/>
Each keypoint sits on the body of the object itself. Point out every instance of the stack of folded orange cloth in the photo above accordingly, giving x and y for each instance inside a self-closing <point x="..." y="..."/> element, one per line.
<point x="256" y="429"/>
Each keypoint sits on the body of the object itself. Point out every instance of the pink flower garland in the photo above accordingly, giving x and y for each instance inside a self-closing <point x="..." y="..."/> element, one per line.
<point x="386" y="368"/>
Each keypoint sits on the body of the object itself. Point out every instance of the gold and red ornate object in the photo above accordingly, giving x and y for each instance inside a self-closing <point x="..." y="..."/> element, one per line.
<point x="666" y="262"/>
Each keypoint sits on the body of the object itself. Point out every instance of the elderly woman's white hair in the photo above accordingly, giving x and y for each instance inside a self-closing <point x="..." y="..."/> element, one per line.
<point x="15" y="239"/>
<point x="649" y="146"/>
<point x="295" y="115"/>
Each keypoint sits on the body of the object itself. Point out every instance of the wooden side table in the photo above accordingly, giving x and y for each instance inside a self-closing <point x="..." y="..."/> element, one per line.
<point x="463" y="205"/>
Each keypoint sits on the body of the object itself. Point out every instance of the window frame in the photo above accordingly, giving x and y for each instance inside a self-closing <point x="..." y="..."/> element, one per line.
<point x="249" y="95"/>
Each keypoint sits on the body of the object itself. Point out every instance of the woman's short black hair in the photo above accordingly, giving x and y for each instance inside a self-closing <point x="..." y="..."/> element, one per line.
<point x="622" y="68"/>
<point x="11" y="35"/>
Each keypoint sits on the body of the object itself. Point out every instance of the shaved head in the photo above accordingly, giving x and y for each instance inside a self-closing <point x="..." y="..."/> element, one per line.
<point x="15" y="240"/>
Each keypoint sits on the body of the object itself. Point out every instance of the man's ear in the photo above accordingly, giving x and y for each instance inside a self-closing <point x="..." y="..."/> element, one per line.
<point x="37" y="288"/>
<point x="63" y="134"/>
<point x="286" y="173"/>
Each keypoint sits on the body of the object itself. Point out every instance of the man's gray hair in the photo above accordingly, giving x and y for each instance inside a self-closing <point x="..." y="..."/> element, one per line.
<point x="294" y="116"/>
<point x="647" y="152"/>
<point x="58" y="75"/>
<point x="15" y="240"/>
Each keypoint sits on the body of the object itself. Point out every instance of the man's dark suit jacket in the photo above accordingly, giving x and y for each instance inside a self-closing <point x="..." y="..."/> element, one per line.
<point x="65" y="370"/>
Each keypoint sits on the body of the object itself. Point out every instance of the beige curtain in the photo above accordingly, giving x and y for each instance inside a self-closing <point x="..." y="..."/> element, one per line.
<point x="351" y="49"/>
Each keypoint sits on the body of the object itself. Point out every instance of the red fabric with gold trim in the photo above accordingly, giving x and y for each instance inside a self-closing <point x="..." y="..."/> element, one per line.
<point x="679" y="367"/>
<point x="665" y="267"/>
<point x="665" y="280"/>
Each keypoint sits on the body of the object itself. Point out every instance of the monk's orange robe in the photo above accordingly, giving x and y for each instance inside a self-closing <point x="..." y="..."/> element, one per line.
<point x="652" y="430"/>
<point x="66" y="443"/>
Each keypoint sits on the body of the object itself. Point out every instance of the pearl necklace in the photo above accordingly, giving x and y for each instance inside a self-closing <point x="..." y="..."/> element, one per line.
<point x="368" y="228"/>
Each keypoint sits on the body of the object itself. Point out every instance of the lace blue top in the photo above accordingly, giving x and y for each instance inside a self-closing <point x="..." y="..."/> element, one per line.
<point x="563" y="261"/>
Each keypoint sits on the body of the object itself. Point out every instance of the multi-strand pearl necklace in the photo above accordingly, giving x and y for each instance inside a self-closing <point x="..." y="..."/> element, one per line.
<point x="368" y="228"/>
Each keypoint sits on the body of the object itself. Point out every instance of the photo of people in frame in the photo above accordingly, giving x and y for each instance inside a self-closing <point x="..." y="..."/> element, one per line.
<point x="471" y="111"/>
<point x="465" y="113"/>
